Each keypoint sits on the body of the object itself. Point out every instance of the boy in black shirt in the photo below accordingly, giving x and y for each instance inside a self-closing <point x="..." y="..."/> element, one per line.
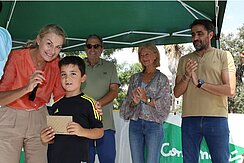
<point x="87" y="123"/>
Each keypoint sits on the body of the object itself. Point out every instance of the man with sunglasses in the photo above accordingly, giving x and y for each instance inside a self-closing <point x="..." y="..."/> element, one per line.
<point x="102" y="84"/>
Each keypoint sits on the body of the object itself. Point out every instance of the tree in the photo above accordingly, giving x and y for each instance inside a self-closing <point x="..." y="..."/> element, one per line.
<point x="124" y="73"/>
<point x="235" y="44"/>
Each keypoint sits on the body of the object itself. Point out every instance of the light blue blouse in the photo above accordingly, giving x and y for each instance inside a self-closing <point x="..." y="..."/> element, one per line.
<point x="5" y="47"/>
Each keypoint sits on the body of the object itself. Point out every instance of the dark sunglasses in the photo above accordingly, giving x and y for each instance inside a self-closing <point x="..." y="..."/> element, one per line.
<point x="89" y="46"/>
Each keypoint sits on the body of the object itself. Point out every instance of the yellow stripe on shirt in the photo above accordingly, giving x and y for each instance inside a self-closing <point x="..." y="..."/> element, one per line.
<point x="97" y="116"/>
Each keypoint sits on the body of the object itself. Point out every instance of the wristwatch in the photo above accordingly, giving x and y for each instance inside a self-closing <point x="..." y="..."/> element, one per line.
<point x="200" y="83"/>
<point x="148" y="100"/>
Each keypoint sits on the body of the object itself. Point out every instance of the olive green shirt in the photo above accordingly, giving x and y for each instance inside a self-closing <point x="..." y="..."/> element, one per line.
<point x="97" y="85"/>
<point x="196" y="101"/>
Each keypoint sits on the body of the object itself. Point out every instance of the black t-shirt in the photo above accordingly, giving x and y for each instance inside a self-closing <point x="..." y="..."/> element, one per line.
<point x="71" y="148"/>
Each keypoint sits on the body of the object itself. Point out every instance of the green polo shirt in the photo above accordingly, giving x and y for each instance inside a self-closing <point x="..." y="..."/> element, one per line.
<point x="97" y="85"/>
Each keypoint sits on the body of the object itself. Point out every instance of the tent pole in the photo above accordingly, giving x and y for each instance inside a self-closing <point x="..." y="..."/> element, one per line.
<point x="10" y="16"/>
<point x="216" y="24"/>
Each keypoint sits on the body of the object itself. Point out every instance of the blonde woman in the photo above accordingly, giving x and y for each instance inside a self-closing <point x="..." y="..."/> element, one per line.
<point x="31" y="75"/>
<point x="147" y="105"/>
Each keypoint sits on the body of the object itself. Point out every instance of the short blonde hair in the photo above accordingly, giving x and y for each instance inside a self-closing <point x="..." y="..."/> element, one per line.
<point x="154" y="49"/>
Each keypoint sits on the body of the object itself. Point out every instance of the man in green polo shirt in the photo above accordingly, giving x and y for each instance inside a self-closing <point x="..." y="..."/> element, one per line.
<point x="102" y="84"/>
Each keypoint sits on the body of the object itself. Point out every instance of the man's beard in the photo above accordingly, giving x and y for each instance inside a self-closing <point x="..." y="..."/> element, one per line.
<point x="200" y="45"/>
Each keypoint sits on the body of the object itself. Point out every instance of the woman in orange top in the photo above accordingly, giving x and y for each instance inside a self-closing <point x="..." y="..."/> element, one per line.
<point x="31" y="76"/>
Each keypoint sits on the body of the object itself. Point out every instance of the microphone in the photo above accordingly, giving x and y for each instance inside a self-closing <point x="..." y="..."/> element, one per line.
<point x="32" y="95"/>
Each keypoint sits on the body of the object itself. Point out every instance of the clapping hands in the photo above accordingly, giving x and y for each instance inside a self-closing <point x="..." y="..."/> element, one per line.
<point x="191" y="67"/>
<point x="139" y="94"/>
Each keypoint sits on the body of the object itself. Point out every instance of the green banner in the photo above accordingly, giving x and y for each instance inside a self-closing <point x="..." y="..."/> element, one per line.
<point x="171" y="151"/>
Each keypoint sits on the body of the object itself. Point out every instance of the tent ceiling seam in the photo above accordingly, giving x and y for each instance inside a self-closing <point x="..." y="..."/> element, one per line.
<point x="148" y="33"/>
<point x="117" y="35"/>
<point x="190" y="9"/>
<point x="150" y="39"/>
<point x="186" y="30"/>
<point x="185" y="6"/>
<point x="75" y="39"/>
<point x="181" y="35"/>
<point x="106" y="39"/>
<point x="18" y="42"/>
<point x="11" y="14"/>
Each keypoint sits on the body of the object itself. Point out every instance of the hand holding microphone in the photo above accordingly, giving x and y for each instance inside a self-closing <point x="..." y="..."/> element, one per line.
<point x="36" y="79"/>
<point x="32" y="95"/>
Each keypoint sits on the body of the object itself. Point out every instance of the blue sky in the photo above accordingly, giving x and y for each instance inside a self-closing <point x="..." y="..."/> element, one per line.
<point x="234" y="16"/>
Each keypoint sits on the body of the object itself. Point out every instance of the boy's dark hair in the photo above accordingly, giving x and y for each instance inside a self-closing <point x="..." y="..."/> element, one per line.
<point x="95" y="36"/>
<point x="208" y="25"/>
<point x="74" y="60"/>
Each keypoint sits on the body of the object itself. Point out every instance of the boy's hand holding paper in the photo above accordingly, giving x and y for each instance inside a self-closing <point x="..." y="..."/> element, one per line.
<point x="59" y="123"/>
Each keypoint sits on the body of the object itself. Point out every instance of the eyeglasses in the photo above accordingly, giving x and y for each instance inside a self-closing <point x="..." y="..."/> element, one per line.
<point x="96" y="46"/>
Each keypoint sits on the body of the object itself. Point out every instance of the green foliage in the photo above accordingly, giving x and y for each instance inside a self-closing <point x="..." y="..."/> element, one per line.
<point x="125" y="71"/>
<point x="108" y="53"/>
<point x="73" y="53"/>
<point x="235" y="44"/>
